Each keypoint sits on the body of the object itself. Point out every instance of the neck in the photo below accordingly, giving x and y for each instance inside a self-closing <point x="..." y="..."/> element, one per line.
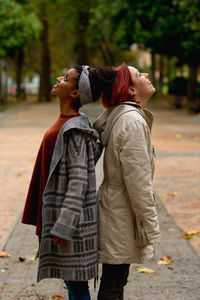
<point x="67" y="109"/>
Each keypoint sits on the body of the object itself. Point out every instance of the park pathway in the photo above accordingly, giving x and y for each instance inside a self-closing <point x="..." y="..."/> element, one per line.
<point x="176" y="137"/>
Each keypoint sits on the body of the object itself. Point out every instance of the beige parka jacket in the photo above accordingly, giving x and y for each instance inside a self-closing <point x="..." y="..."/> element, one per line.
<point x="129" y="227"/>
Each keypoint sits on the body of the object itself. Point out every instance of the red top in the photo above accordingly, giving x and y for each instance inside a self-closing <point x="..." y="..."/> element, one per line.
<point x="33" y="206"/>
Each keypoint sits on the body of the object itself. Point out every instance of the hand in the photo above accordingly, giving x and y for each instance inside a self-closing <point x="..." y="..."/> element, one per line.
<point x="58" y="240"/>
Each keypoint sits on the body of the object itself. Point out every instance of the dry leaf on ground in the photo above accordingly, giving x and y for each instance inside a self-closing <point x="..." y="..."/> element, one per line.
<point x="32" y="258"/>
<point x="191" y="232"/>
<point x="173" y="194"/>
<point x="57" y="297"/>
<point x="178" y="136"/>
<point x="165" y="260"/>
<point x="4" y="254"/>
<point x="196" y="217"/>
<point x="172" y="229"/>
<point x="188" y="235"/>
<point x="145" y="270"/>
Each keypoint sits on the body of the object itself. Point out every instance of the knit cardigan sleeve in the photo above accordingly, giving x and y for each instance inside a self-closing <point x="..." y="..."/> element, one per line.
<point x="98" y="148"/>
<point x="74" y="164"/>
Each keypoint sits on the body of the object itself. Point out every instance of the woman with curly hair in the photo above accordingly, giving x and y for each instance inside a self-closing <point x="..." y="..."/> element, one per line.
<point x="61" y="200"/>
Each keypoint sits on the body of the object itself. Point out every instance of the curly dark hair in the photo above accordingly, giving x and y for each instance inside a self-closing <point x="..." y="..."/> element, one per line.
<point x="101" y="80"/>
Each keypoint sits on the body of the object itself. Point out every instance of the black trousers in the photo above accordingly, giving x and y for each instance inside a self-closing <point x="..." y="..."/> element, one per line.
<point x="113" y="280"/>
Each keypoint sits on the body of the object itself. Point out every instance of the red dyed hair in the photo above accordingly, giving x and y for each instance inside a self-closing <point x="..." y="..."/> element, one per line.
<point x="120" y="87"/>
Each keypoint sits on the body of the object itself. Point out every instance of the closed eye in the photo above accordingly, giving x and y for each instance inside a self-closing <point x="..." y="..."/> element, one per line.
<point x="66" y="77"/>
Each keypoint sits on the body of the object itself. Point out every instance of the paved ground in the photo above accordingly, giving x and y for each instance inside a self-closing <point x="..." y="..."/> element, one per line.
<point x="177" y="139"/>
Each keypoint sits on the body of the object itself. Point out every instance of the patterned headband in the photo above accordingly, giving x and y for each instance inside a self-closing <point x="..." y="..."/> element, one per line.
<point x="85" y="94"/>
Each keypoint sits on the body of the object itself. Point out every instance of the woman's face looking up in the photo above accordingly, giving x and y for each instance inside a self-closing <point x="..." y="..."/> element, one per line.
<point x="66" y="86"/>
<point x="141" y="89"/>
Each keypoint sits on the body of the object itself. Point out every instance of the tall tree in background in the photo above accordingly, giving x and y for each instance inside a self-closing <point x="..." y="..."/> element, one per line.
<point x="45" y="71"/>
<point x="17" y="28"/>
<point x="109" y="30"/>
<point x="75" y="16"/>
<point x="190" y="42"/>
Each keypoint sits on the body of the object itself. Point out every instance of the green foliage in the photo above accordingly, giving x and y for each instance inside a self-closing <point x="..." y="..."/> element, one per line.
<point x="108" y="29"/>
<point x="16" y="27"/>
<point x="190" y="42"/>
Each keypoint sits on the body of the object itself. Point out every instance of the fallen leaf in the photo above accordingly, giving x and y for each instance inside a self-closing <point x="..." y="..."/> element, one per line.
<point x="191" y="232"/>
<point x="196" y="217"/>
<point x="197" y="138"/>
<point x="32" y="258"/>
<point x="178" y="136"/>
<point x="166" y="260"/>
<point x="188" y="237"/>
<point x="172" y="229"/>
<point x="19" y="174"/>
<point x="4" y="254"/>
<point x="21" y="258"/>
<point x="57" y="297"/>
<point x="145" y="270"/>
<point x="173" y="194"/>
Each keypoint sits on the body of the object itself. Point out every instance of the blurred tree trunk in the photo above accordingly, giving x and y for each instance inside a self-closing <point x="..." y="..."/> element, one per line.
<point x="1" y="99"/>
<point x="20" y="93"/>
<point x="81" y="48"/>
<point x="45" y="71"/>
<point x="153" y="68"/>
<point x="161" y="71"/>
<point x="106" y="53"/>
<point x="192" y="84"/>
<point x="169" y="69"/>
<point x="4" y="81"/>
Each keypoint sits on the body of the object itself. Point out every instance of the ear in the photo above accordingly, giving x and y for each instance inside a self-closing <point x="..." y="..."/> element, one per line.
<point x="131" y="91"/>
<point x="75" y="94"/>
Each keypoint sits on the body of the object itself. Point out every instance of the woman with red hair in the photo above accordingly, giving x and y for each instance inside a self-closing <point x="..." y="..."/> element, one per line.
<point x="129" y="228"/>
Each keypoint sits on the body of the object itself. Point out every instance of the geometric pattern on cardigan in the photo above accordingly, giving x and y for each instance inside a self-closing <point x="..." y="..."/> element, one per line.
<point x="70" y="209"/>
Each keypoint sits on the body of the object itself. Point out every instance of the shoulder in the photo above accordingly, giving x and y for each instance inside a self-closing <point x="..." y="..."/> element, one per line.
<point x="131" y="119"/>
<point x="79" y="126"/>
<point x="132" y="130"/>
<point x="76" y="136"/>
<point x="133" y="116"/>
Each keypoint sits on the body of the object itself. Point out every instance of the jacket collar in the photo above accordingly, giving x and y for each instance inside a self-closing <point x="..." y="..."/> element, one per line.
<point x="106" y="121"/>
<point x="82" y="124"/>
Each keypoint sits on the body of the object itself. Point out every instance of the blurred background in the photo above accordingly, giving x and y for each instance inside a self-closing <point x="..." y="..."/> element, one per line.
<point x="40" y="38"/>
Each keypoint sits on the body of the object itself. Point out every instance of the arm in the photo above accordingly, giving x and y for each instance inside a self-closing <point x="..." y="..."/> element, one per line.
<point x="98" y="148"/>
<point x="137" y="175"/>
<point x="75" y="162"/>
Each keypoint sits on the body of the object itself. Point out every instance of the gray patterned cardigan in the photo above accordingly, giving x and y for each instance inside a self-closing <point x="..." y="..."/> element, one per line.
<point x="70" y="205"/>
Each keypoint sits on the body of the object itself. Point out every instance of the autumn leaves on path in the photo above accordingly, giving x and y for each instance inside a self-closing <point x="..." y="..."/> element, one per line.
<point x="176" y="137"/>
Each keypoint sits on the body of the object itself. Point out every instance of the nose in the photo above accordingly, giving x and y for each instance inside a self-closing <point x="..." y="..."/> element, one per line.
<point x="59" y="79"/>
<point x="146" y="75"/>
